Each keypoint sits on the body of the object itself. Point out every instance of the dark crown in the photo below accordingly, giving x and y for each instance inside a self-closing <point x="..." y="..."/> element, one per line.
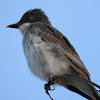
<point x="36" y="15"/>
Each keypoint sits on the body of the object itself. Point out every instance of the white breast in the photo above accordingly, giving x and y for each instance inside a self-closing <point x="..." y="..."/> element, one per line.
<point x="41" y="59"/>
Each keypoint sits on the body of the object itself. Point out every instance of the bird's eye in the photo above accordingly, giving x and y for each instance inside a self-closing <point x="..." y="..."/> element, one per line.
<point x="28" y="18"/>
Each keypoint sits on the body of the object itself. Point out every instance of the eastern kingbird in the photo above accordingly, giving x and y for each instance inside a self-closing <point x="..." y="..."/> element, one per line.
<point x="51" y="57"/>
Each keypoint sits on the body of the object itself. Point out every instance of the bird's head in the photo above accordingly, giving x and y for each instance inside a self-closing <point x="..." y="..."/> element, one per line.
<point x="31" y="16"/>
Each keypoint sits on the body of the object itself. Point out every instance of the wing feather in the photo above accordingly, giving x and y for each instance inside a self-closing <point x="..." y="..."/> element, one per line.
<point x="52" y="35"/>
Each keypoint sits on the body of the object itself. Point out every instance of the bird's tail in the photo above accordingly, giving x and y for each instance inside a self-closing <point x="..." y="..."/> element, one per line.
<point x="86" y="91"/>
<point x="79" y="85"/>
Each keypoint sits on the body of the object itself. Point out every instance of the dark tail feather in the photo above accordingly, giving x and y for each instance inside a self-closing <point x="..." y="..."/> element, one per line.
<point x="97" y="96"/>
<point x="79" y="85"/>
<point x="74" y="89"/>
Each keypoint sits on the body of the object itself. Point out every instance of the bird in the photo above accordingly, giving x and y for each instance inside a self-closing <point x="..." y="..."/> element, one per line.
<point x="51" y="57"/>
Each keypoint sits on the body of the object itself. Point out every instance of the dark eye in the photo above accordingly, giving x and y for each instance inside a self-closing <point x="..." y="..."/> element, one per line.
<point x="28" y="18"/>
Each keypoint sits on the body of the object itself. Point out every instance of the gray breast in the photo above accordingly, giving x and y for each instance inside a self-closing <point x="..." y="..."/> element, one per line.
<point x="44" y="59"/>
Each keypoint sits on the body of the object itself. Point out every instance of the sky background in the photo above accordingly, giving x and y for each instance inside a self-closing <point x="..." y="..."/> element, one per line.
<point x="78" y="20"/>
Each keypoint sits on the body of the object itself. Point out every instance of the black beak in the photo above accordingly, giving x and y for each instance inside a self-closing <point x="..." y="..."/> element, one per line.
<point x="16" y="25"/>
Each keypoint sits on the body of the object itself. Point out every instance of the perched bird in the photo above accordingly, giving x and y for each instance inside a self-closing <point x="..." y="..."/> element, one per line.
<point x="50" y="55"/>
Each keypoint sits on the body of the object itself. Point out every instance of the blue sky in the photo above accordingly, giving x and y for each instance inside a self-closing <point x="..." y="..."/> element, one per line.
<point x="78" y="20"/>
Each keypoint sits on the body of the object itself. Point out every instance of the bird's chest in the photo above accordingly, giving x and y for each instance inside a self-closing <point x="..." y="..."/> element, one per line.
<point x="33" y="50"/>
<point x="40" y="57"/>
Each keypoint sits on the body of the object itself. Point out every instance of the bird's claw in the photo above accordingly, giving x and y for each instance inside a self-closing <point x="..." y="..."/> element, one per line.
<point x="47" y="87"/>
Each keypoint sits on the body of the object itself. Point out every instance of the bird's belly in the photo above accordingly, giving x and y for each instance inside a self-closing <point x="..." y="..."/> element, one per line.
<point x="44" y="60"/>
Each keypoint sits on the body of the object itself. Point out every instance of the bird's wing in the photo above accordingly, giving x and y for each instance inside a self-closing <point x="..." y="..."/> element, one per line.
<point x="52" y="35"/>
<point x="82" y="84"/>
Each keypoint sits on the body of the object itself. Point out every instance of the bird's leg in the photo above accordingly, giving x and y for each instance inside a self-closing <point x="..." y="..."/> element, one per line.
<point x="50" y="82"/>
<point x="47" y="86"/>
<point x="52" y="77"/>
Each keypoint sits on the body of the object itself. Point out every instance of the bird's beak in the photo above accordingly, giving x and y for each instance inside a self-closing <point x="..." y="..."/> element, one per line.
<point x="16" y="25"/>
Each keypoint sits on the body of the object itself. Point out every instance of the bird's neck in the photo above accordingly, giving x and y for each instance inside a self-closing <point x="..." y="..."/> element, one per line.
<point x="24" y="27"/>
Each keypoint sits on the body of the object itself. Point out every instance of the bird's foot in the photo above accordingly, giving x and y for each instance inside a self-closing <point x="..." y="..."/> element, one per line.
<point x="47" y="86"/>
<point x="51" y="82"/>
